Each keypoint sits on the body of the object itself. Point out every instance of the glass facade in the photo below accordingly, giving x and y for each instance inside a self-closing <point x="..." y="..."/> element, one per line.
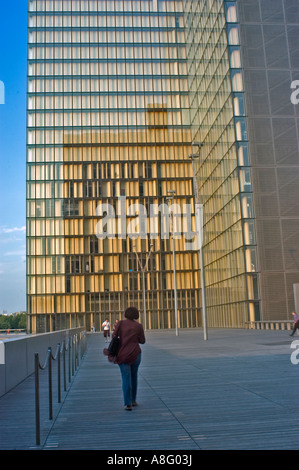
<point x="108" y="127"/>
<point x="117" y="93"/>
<point x="269" y="34"/>
<point x="218" y="121"/>
<point x="246" y="56"/>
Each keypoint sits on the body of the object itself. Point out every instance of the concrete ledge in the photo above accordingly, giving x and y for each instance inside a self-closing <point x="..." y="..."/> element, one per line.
<point x="17" y="355"/>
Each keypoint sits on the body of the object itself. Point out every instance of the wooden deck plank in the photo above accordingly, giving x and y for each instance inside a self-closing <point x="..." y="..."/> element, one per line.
<point x="238" y="390"/>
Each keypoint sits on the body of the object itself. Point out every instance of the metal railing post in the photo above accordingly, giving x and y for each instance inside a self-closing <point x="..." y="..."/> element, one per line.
<point x="74" y="348"/>
<point x="70" y="360"/>
<point x="64" y="370"/>
<point x="50" y="386"/>
<point x="73" y="357"/>
<point x="37" y="408"/>
<point x="59" y="373"/>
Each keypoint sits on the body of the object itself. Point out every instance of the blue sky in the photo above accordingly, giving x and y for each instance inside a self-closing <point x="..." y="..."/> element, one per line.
<point x="13" y="70"/>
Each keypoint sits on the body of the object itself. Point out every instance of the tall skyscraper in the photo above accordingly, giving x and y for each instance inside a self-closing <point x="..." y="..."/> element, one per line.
<point x="269" y="35"/>
<point x="117" y="93"/>
<point x="243" y="64"/>
<point x="108" y="132"/>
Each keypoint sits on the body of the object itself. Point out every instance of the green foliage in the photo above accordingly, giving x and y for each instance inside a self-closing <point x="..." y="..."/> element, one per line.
<point x="13" y="322"/>
<point x="4" y="322"/>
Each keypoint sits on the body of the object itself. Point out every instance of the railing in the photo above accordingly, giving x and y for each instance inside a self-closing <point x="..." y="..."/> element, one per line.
<point x="12" y="330"/>
<point x="271" y="325"/>
<point x="75" y="346"/>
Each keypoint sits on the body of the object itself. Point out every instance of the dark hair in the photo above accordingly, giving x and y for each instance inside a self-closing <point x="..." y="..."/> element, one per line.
<point x="132" y="313"/>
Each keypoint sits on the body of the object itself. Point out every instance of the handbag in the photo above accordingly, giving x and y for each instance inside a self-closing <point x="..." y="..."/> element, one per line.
<point x="114" y="346"/>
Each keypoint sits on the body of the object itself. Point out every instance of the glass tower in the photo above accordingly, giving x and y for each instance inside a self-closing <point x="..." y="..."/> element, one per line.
<point x="108" y="133"/>
<point x="118" y="90"/>
<point x="269" y="34"/>
<point x="218" y="122"/>
<point x="243" y="65"/>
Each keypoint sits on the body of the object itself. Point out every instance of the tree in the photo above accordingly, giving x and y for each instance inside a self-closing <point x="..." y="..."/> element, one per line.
<point x="13" y="322"/>
<point x="4" y="322"/>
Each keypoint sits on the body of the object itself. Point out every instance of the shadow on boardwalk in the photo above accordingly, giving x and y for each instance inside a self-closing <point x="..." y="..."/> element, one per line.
<point x="238" y="390"/>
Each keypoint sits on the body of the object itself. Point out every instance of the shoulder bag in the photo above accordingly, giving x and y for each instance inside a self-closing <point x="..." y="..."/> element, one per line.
<point x="114" y="345"/>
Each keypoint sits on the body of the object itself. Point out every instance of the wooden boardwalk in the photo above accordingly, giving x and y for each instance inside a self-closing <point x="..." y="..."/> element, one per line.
<point x="238" y="390"/>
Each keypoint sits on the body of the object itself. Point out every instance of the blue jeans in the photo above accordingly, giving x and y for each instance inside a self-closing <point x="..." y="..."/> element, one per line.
<point x="129" y="374"/>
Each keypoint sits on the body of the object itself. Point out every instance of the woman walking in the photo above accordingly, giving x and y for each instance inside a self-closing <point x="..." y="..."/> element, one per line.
<point x="128" y="357"/>
<point x="296" y="323"/>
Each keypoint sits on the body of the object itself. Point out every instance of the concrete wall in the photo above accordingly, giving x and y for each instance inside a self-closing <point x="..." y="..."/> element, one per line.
<point x="17" y="355"/>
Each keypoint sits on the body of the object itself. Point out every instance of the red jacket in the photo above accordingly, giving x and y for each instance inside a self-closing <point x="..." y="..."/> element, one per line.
<point x="131" y="334"/>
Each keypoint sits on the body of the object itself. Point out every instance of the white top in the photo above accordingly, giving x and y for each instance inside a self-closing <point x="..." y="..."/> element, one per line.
<point x="106" y="325"/>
